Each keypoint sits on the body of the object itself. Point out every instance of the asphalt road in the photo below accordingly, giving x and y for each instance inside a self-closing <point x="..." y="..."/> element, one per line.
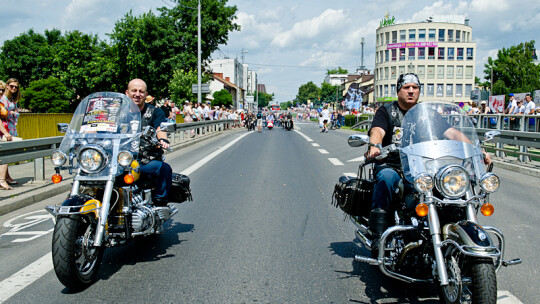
<point x="261" y="229"/>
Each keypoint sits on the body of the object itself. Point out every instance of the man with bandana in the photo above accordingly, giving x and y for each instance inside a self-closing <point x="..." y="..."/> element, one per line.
<point x="385" y="130"/>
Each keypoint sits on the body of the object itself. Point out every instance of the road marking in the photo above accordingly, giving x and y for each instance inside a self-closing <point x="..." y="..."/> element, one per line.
<point x="505" y="297"/>
<point x="323" y="151"/>
<point x="335" y="161"/>
<point x="358" y="159"/>
<point x="303" y="135"/>
<point x="209" y="157"/>
<point x="25" y="277"/>
<point x="350" y="174"/>
<point x="315" y="145"/>
<point x="25" y="221"/>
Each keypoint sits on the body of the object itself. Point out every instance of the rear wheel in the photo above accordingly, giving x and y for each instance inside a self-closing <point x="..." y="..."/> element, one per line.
<point x="76" y="261"/>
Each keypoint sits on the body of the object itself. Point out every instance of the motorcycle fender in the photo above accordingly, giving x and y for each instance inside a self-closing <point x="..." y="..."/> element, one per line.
<point x="467" y="233"/>
<point x="88" y="203"/>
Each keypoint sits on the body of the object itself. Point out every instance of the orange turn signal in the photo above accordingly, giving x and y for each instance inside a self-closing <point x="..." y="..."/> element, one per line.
<point x="422" y="210"/>
<point x="487" y="209"/>
<point x="56" y="178"/>
<point x="129" y="179"/>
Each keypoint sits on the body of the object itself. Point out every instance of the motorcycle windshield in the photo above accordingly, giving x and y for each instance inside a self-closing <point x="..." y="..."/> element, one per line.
<point x="110" y="122"/>
<point x="437" y="134"/>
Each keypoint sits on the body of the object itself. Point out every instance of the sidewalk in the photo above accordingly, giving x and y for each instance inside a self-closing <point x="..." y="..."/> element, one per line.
<point x="29" y="191"/>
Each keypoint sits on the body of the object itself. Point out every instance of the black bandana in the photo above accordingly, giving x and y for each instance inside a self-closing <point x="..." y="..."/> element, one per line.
<point x="407" y="78"/>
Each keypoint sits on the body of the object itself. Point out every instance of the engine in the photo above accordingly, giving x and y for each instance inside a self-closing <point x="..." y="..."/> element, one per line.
<point x="142" y="219"/>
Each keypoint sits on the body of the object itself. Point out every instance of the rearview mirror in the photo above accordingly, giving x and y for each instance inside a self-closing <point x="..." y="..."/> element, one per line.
<point x="490" y="135"/>
<point x="358" y="140"/>
<point x="167" y="127"/>
<point x="62" y="127"/>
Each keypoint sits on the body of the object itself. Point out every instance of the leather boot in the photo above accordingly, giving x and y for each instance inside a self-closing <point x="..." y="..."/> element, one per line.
<point x="378" y="223"/>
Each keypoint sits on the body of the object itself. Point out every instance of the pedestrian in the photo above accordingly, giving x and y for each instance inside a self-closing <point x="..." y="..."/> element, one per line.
<point x="166" y="108"/>
<point x="174" y="111"/>
<point x="325" y="114"/>
<point x="9" y="101"/>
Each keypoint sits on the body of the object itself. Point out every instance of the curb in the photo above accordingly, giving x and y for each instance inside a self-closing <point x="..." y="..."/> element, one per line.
<point x="41" y="192"/>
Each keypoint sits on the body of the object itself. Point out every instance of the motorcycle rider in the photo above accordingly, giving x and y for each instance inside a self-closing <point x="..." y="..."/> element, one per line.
<point x="289" y="117"/>
<point x="151" y="156"/>
<point x="385" y="130"/>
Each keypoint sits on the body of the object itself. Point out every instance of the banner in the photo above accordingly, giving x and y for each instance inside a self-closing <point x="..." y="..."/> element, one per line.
<point x="496" y="103"/>
<point x="411" y="45"/>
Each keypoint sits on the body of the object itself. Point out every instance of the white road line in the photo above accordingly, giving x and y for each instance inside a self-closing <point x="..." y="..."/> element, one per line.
<point x="39" y="268"/>
<point x="315" y="145"/>
<point x="505" y="297"/>
<point x="335" y="161"/>
<point x="209" y="157"/>
<point x="25" y="277"/>
<point x="323" y="151"/>
<point x="350" y="174"/>
<point x="303" y="135"/>
<point x="358" y="159"/>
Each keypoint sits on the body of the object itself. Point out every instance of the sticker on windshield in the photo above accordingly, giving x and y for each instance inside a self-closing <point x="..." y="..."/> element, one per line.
<point x="101" y="115"/>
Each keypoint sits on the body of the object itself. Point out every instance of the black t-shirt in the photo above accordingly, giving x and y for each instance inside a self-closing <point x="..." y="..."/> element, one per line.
<point x="382" y="119"/>
<point x="156" y="118"/>
<point x="166" y="111"/>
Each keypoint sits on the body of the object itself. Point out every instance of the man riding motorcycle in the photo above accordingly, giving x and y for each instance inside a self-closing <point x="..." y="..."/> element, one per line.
<point x="385" y="130"/>
<point x="151" y="156"/>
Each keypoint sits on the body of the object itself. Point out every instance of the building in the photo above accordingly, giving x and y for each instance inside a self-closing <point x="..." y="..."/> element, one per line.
<point x="440" y="51"/>
<point x="237" y="78"/>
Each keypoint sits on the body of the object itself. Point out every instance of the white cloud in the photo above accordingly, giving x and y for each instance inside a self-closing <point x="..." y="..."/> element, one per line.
<point x="487" y="6"/>
<point x="330" y="20"/>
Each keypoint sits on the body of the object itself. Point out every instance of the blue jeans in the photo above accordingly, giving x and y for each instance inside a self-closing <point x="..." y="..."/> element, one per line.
<point x="386" y="183"/>
<point x="161" y="173"/>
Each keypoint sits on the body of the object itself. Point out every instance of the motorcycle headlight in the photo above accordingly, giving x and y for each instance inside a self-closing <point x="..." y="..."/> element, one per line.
<point x="125" y="158"/>
<point x="490" y="182"/>
<point x="92" y="159"/>
<point x="58" y="158"/>
<point x="423" y="183"/>
<point x="452" y="181"/>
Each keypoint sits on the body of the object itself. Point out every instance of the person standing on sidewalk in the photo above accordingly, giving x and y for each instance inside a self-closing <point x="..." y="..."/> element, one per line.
<point x="10" y="100"/>
<point x="325" y="119"/>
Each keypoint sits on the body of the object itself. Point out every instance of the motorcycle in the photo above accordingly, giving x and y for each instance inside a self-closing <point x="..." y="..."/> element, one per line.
<point x="288" y="125"/>
<point x="270" y="124"/>
<point x="250" y="123"/>
<point x="110" y="203"/>
<point x="434" y="235"/>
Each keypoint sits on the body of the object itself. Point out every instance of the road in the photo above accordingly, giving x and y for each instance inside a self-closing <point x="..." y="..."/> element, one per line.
<point x="261" y="229"/>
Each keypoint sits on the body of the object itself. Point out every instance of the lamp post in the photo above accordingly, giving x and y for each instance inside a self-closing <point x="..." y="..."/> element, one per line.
<point x="199" y="80"/>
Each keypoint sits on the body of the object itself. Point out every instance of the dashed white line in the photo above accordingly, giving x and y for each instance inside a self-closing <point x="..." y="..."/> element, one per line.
<point x="315" y="145"/>
<point x="335" y="161"/>
<point x="323" y="151"/>
<point x="350" y="174"/>
<point x="303" y="135"/>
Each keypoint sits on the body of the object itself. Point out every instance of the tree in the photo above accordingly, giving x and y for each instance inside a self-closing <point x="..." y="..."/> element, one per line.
<point x="180" y="85"/>
<point x="222" y="98"/>
<point x="514" y="70"/>
<point x="285" y="105"/>
<point x="153" y="46"/>
<point x="308" y="91"/>
<point x="329" y="93"/>
<point x="47" y="96"/>
<point x="264" y="99"/>
<point x="339" y="70"/>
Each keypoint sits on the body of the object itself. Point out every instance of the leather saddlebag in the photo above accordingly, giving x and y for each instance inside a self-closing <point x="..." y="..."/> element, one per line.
<point x="180" y="190"/>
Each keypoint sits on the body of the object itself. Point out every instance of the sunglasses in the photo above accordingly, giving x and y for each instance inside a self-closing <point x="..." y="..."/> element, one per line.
<point x="13" y="86"/>
<point x="2" y="90"/>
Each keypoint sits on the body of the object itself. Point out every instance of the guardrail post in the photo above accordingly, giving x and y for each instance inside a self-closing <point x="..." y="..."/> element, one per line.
<point x="523" y="149"/>
<point x="39" y="169"/>
<point x="500" y="122"/>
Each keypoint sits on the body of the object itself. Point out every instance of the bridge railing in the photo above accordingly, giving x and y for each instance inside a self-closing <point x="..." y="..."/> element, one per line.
<point x="39" y="149"/>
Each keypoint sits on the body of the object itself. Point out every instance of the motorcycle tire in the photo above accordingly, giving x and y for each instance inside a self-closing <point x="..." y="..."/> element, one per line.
<point x="483" y="285"/>
<point x="75" y="265"/>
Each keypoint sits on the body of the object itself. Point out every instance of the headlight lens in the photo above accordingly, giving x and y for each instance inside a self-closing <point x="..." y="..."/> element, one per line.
<point x="92" y="159"/>
<point x="58" y="158"/>
<point x="423" y="183"/>
<point x="452" y="181"/>
<point x="490" y="182"/>
<point x="125" y="158"/>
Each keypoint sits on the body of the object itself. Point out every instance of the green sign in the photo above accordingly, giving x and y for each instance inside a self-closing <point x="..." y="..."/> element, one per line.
<point x="387" y="99"/>
<point x="387" y="20"/>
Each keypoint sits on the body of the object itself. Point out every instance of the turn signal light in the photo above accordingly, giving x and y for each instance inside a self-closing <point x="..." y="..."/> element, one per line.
<point x="422" y="210"/>
<point x="56" y="178"/>
<point x="129" y="179"/>
<point x="487" y="209"/>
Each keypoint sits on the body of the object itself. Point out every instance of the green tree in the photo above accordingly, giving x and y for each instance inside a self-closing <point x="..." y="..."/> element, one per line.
<point x="47" y="96"/>
<point x="264" y="99"/>
<point x="222" y="98"/>
<point x="180" y="85"/>
<point x="329" y="93"/>
<point x="285" y="105"/>
<point x="339" y="70"/>
<point x="308" y="91"/>
<point x="514" y="70"/>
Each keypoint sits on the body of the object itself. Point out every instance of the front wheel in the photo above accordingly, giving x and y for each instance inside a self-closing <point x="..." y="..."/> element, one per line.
<point x="475" y="283"/>
<point x="76" y="261"/>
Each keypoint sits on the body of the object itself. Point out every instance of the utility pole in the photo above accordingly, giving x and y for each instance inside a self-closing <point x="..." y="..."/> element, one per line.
<point x="199" y="80"/>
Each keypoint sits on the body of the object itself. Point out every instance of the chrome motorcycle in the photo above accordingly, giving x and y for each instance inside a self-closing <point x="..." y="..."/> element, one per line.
<point x="434" y="235"/>
<point x="109" y="203"/>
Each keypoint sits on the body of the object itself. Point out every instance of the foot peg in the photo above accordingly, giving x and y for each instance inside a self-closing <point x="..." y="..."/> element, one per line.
<point x="511" y="262"/>
<point x="364" y="259"/>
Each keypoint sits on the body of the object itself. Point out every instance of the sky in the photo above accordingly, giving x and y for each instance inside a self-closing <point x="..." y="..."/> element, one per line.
<point x="289" y="43"/>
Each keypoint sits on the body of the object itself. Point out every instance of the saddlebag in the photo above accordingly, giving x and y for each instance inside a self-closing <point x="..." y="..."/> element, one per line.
<point x="353" y="195"/>
<point x="180" y="190"/>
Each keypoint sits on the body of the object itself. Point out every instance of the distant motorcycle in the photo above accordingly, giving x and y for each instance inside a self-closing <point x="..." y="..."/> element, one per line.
<point x="270" y="124"/>
<point x="434" y="235"/>
<point x="109" y="203"/>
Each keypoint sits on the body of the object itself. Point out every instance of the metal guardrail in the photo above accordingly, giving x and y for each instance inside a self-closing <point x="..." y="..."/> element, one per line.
<point x="38" y="149"/>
